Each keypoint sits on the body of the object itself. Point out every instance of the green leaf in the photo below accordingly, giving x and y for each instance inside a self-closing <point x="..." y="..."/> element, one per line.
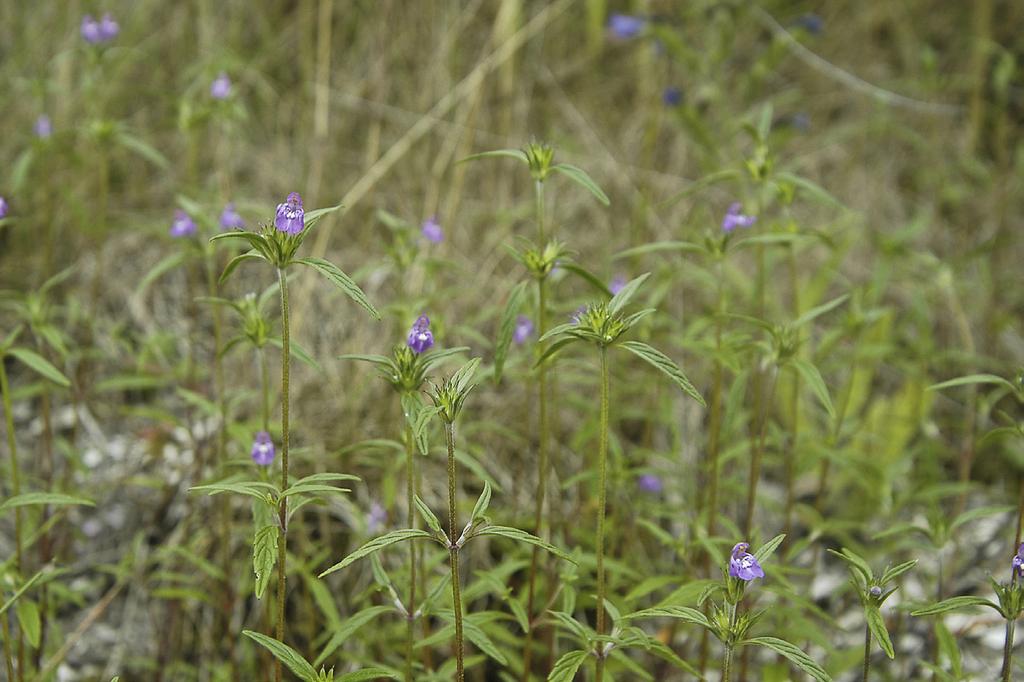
<point x="257" y="490"/>
<point x="794" y="654"/>
<point x="876" y="624"/>
<point x="813" y="190"/>
<point x="379" y="360"/>
<point x="706" y="181"/>
<point x="813" y="378"/>
<point x="522" y="536"/>
<point x="587" y="276"/>
<point x="376" y="545"/>
<point x="311" y="218"/>
<point x="978" y="513"/>
<point x="656" y="247"/>
<point x="143" y="149"/>
<point x="40" y="365"/>
<point x="420" y="424"/>
<point x="23" y="589"/>
<point x="508" y="324"/>
<point x="287" y="655"/>
<point x="430" y="518"/>
<point x="767" y="549"/>
<point x="948" y="647"/>
<point x="580" y="177"/>
<point x="252" y="254"/>
<point x="820" y="310"/>
<point x="553" y="350"/>
<point x="663" y="363"/>
<point x="324" y="478"/>
<point x="855" y="562"/>
<point x="297" y="352"/>
<point x="482" y="642"/>
<point x="627" y="292"/>
<point x="351" y="625"/>
<point x="482" y="503"/>
<point x="511" y="153"/>
<point x="339" y="279"/>
<point x="163" y="266"/>
<point x="684" y="613"/>
<point x="954" y="604"/>
<point x="28" y="619"/>
<point x="367" y="674"/>
<point x="567" y="666"/>
<point x="264" y="556"/>
<point x="973" y="379"/>
<point x="896" y="571"/>
<point x="33" y="499"/>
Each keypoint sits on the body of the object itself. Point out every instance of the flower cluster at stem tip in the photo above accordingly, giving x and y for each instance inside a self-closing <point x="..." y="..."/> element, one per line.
<point x="420" y="336"/>
<point x="291" y="218"/>
<point x="743" y="564"/>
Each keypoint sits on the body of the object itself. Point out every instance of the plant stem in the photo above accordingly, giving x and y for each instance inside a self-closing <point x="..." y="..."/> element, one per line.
<point x="453" y="551"/>
<point x="727" y="661"/>
<point x="283" y="504"/>
<point x="715" y="425"/>
<point x="12" y="448"/>
<point x="1007" y="673"/>
<point x="6" y="632"/>
<point x="602" y="481"/>
<point x="763" y="401"/>
<point x="410" y="474"/>
<point x="542" y="443"/>
<point x="867" y="651"/>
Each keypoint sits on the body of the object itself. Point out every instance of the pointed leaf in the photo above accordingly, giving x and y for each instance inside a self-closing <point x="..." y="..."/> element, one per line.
<point x="511" y="153"/>
<point x="352" y="624"/>
<point x="587" y="276"/>
<point x="287" y="655"/>
<point x="684" y="613"/>
<point x="482" y="503"/>
<point x="580" y="177"/>
<point x="339" y="279"/>
<point x="40" y="365"/>
<point x="430" y="518"/>
<point x="666" y="365"/>
<point x="876" y="624"/>
<point x="794" y="654"/>
<point x="973" y="379"/>
<point x="813" y="378"/>
<point x="567" y="666"/>
<point x="264" y="557"/>
<point x="767" y="549"/>
<point x="630" y="288"/>
<point x="297" y="352"/>
<point x="522" y="536"/>
<point x="366" y="675"/>
<point x="508" y="324"/>
<point x="376" y="545"/>
<point x="252" y="254"/>
<point x="28" y="619"/>
<point x="34" y="499"/>
<point x="954" y="604"/>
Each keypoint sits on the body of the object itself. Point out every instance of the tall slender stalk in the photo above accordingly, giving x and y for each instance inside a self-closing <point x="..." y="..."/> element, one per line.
<point x="729" y="647"/>
<point x="867" y="651"/>
<point x="410" y="492"/>
<point x="602" y="481"/>
<point x="763" y="403"/>
<point x="542" y="444"/>
<point x="453" y="552"/>
<point x="283" y="504"/>
<point x="12" y="448"/>
<point x="5" y="631"/>
<point x="794" y="404"/>
<point x="1007" y="671"/>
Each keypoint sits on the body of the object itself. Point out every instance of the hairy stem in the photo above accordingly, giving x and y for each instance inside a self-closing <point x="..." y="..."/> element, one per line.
<point x="1007" y="672"/>
<point x="453" y="551"/>
<point x="867" y="651"/>
<point x="602" y="484"/>
<point x="283" y="504"/>
<point x="410" y="492"/>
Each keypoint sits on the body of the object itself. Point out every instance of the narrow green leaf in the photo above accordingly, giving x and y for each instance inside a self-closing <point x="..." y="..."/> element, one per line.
<point x="684" y="613"/>
<point x="765" y="551"/>
<point x="28" y="619"/>
<point x="706" y="181"/>
<point x="287" y="655"/>
<point x="28" y="584"/>
<point x="813" y="378"/>
<point x="973" y="379"/>
<point x="580" y="177"/>
<point x="352" y="624"/>
<point x="522" y="536"/>
<point x="482" y="503"/>
<point x="317" y="214"/>
<point x="325" y="478"/>
<point x="35" y="499"/>
<point x="567" y="666"/>
<point x="511" y="153"/>
<point x="165" y="265"/>
<point x="657" y="247"/>
<point x="380" y="360"/>
<point x="855" y="562"/>
<point x="666" y="365"/>
<point x="40" y="365"/>
<point x="896" y="571"/>
<point x="587" y="276"/>
<point x="252" y="254"/>
<point x="264" y="556"/>
<point x="143" y="149"/>
<point x="820" y="310"/>
<point x="794" y="654"/>
<point x="339" y="279"/>
<point x="366" y="675"/>
<point x="954" y="604"/>
<point x="876" y="624"/>
<point x="813" y="190"/>
<point x="482" y="642"/>
<point x="507" y="327"/>
<point x="419" y="426"/>
<point x="430" y="518"/>
<point x="297" y="352"/>
<point x="258" y="491"/>
<point x="553" y="350"/>
<point x="376" y="545"/>
<point x="626" y="293"/>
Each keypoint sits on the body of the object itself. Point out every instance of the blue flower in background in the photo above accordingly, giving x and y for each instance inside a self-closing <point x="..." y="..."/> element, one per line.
<point x="229" y="218"/>
<point x="810" y="22"/>
<point x="625" y="26"/>
<point x="523" y="329"/>
<point x="183" y="225"/>
<point x="220" y="88"/>
<point x="43" y="128"/>
<point x="672" y="96"/>
<point x="431" y="230"/>
<point x="650" y="483"/>
<point x="734" y="218"/>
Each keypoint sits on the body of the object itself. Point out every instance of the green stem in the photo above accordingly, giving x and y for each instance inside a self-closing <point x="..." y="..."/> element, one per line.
<point x="763" y="401"/>
<point x="602" y="484"/>
<point x="283" y="504"/>
<point x="729" y="643"/>
<point x="867" y="651"/>
<point x="265" y="388"/>
<point x="16" y="490"/>
<point x="542" y="444"/>
<point x="453" y="551"/>
<point x="715" y="425"/>
<point x="727" y="664"/>
<point x="8" y="657"/>
<point x="410" y="474"/>
<point x="1007" y="673"/>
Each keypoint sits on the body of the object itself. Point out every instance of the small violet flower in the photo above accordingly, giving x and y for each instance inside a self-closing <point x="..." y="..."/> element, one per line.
<point x="810" y="22"/>
<point x="263" y="449"/>
<point x="743" y="564"/>
<point x="672" y="96"/>
<point x="43" y="128"/>
<point x="108" y="28"/>
<point x="625" y="26"/>
<point x="649" y="483"/>
<point x="183" y="225"/>
<point x="291" y="219"/>
<point x="3" y="207"/>
<point x="523" y="329"/>
<point x="431" y="230"/>
<point x="90" y="30"/>
<point x="733" y="218"/>
<point x="376" y="519"/>
<point x="1018" y="563"/>
<point x="615" y="286"/>
<point x="220" y="88"/>
<point x="229" y="218"/>
<point x="420" y="336"/>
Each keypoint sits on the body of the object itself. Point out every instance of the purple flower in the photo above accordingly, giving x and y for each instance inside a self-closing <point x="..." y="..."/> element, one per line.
<point x="1018" y="563"/>
<point x="649" y="483"/>
<point x="3" y="207"/>
<point x="229" y="218"/>
<point x="43" y="128"/>
<point x="523" y="329"/>
<point x="376" y="519"/>
<point x="615" y="286"/>
<point x="263" y="449"/>
<point x="182" y="225"/>
<point x="220" y="88"/>
<point x="420" y="336"/>
<point x="90" y="30"/>
<point x="625" y="26"/>
<point x="431" y="230"/>
<point x="108" y="28"/>
<point x="672" y="96"/>
<point x="810" y="22"/>
<point x="291" y="219"/>
<point x="733" y="218"/>
<point x="743" y="564"/>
